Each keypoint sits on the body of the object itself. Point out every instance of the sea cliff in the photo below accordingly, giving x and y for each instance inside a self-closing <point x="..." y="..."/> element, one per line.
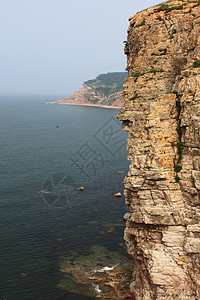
<point x="162" y="116"/>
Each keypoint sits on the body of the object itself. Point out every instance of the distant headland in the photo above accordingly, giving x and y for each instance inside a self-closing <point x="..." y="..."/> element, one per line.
<point x="103" y="91"/>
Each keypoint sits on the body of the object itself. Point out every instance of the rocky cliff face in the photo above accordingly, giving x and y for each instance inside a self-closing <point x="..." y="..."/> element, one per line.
<point x="162" y="117"/>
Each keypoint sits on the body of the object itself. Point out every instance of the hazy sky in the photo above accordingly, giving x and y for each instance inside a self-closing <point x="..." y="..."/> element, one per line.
<point x="52" y="46"/>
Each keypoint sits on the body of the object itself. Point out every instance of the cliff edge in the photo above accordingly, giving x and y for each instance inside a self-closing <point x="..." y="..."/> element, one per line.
<point x="162" y="116"/>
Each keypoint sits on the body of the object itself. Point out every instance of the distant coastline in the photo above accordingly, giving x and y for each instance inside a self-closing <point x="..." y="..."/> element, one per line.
<point x="85" y="104"/>
<point x="104" y="91"/>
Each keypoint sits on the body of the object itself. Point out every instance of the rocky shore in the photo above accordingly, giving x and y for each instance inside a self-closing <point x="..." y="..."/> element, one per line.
<point x="98" y="273"/>
<point x="83" y="104"/>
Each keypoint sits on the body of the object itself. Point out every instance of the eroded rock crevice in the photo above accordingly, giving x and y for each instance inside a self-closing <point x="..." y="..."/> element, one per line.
<point x="162" y="117"/>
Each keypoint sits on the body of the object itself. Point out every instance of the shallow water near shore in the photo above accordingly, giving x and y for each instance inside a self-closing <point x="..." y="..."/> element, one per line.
<point x="43" y="216"/>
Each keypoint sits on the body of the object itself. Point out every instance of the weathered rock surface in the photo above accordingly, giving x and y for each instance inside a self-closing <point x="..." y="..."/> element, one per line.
<point x="162" y="117"/>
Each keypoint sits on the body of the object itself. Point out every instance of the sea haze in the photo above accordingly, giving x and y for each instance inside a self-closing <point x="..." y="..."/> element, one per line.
<point x="47" y="152"/>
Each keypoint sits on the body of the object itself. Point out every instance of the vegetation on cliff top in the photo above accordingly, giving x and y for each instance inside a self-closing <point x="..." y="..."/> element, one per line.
<point x="165" y="7"/>
<point x="107" y="84"/>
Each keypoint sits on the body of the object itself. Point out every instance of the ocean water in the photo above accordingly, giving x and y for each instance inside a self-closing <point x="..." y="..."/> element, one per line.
<point x="47" y="152"/>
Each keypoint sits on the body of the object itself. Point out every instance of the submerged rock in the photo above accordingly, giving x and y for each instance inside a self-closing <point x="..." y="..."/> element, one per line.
<point x="110" y="230"/>
<point x="23" y="275"/>
<point x="99" y="273"/>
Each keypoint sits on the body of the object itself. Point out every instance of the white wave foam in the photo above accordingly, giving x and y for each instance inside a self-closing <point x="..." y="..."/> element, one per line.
<point x="104" y="269"/>
<point x="97" y="289"/>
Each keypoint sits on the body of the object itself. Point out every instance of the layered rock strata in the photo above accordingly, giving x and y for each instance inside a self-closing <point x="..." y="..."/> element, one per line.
<point x="162" y="117"/>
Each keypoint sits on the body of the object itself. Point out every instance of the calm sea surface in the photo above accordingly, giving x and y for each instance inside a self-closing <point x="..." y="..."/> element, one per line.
<point x="47" y="152"/>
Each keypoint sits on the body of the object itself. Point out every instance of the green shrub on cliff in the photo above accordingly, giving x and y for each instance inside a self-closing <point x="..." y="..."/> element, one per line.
<point x="166" y="8"/>
<point x="141" y="24"/>
<point x="198" y="4"/>
<point x="162" y="7"/>
<point x="137" y="75"/>
<point x="162" y="51"/>
<point x="196" y="64"/>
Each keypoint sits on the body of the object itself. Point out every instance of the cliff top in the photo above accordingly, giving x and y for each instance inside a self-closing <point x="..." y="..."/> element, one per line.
<point x="164" y="38"/>
<point x="170" y="5"/>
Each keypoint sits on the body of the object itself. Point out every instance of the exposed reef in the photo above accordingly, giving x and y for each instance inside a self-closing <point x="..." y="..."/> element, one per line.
<point x="162" y="116"/>
<point x="98" y="273"/>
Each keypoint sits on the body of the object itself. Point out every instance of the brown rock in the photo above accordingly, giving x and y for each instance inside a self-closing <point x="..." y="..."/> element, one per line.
<point x="81" y="188"/>
<point x="117" y="194"/>
<point x="162" y="117"/>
